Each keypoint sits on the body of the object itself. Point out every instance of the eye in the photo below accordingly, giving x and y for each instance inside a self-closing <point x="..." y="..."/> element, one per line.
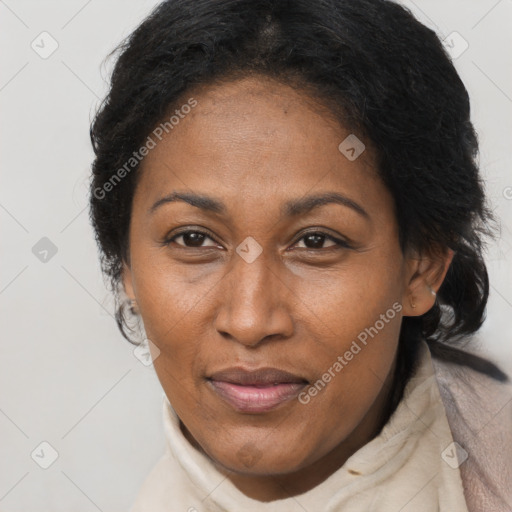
<point x="191" y="239"/>
<point x="315" y="240"/>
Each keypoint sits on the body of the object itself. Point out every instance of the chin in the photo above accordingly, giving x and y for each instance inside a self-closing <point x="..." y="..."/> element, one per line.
<point x="251" y="459"/>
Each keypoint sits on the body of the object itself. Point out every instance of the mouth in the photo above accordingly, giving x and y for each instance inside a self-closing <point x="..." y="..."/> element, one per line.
<point x="256" y="391"/>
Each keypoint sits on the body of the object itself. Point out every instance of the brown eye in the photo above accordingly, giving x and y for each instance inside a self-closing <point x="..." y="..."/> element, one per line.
<point x="316" y="240"/>
<point x="191" y="239"/>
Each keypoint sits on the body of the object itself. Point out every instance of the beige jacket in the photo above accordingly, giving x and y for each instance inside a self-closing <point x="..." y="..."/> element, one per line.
<point x="415" y="464"/>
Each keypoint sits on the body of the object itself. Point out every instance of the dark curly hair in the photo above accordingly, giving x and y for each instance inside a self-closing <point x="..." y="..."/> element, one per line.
<point x="378" y="70"/>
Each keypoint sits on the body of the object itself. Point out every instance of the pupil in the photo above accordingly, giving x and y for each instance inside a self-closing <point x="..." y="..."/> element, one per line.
<point x="317" y="240"/>
<point x="196" y="239"/>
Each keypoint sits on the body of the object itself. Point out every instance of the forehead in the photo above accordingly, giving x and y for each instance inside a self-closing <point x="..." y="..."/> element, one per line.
<point x="254" y="138"/>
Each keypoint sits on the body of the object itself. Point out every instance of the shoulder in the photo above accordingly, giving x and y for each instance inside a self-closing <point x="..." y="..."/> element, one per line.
<point x="479" y="412"/>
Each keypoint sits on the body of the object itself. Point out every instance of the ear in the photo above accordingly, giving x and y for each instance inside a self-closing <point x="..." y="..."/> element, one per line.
<point x="126" y="278"/>
<point x="425" y="274"/>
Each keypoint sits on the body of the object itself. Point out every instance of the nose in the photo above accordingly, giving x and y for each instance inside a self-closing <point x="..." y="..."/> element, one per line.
<point x="253" y="303"/>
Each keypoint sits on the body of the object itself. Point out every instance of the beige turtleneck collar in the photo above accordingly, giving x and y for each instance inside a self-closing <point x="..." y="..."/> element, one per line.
<point x="411" y="466"/>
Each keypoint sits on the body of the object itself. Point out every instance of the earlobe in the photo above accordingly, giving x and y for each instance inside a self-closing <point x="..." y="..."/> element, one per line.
<point x="428" y="274"/>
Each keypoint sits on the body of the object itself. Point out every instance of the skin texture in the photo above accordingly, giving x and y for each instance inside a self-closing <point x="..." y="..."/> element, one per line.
<point x="255" y="144"/>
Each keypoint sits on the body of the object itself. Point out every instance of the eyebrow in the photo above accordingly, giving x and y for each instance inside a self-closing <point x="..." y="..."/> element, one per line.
<point x="291" y="208"/>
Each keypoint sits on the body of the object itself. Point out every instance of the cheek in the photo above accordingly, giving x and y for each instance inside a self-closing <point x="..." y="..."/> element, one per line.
<point x="347" y="386"/>
<point x="176" y="305"/>
<point x="356" y="319"/>
<point x="169" y="298"/>
<point x="343" y="302"/>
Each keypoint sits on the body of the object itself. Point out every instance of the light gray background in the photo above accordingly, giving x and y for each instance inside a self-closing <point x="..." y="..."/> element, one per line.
<point x="66" y="375"/>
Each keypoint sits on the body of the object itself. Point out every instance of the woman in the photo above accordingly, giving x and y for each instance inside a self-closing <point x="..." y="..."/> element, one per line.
<point x="285" y="194"/>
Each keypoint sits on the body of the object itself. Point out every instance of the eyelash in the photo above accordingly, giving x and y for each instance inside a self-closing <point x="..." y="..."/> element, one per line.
<point x="341" y="244"/>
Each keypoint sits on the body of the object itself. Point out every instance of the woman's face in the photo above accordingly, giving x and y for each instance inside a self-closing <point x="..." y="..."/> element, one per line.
<point x="253" y="289"/>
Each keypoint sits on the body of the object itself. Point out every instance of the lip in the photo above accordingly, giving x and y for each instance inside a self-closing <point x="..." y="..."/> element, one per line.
<point x="256" y="391"/>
